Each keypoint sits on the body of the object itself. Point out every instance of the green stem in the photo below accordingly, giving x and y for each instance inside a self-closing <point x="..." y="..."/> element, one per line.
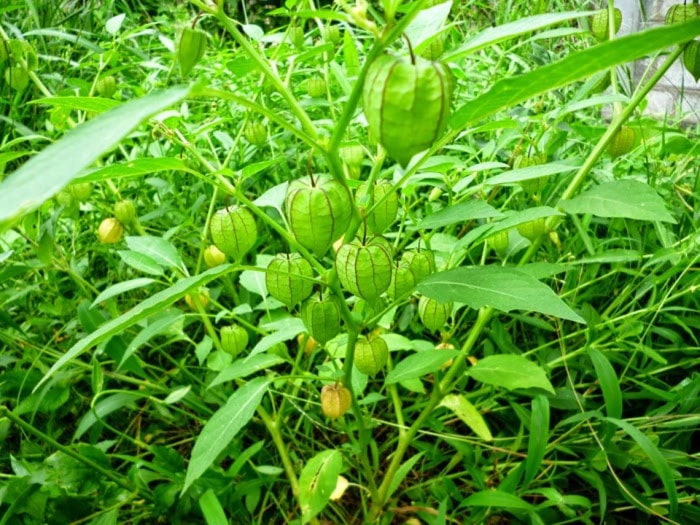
<point x="119" y="480"/>
<point x="273" y="429"/>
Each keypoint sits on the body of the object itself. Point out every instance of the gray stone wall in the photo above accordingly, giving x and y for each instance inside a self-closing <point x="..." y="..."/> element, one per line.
<point x="677" y="93"/>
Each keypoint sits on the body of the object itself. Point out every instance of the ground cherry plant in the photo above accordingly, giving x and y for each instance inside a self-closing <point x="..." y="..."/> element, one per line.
<point x="346" y="262"/>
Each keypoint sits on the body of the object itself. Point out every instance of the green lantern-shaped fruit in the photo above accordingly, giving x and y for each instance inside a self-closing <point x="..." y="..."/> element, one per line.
<point x="532" y="230"/>
<point x="331" y="33"/>
<point x="255" y="132"/>
<point x="530" y="186"/>
<point x="234" y="339"/>
<point x="622" y="142"/>
<point x="599" y="24"/>
<point x="422" y="263"/>
<point x="16" y="77"/>
<point x="691" y="59"/>
<point x="433" y="314"/>
<point x="296" y="37"/>
<point x="288" y="278"/>
<point x="316" y="87"/>
<point x="110" y="231"/>
<point x="371" y="354"/>
<point x="190" y="49"/>
<point x="434" y="50"/>
<point x="499" y="242"/>
<point x="680" y="13"/>
<point x="80" y="191"/>
<point x="234" y="231"/>
<point x="125" y="211"/>
<point x="318" y="210"/>
<point x="321" y="317"/>
<point x="407" y="104"/>
<point x="384" y="214"/>
<point x="364" y="268"/>
<point x="106" y="86"/>
<point x="213" y="256"/>
<point x="335" y="400"/>
<point x="403" y="281"/>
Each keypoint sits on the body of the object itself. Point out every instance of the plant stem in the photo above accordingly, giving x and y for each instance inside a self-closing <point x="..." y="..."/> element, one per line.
<point x="119" y="480"/>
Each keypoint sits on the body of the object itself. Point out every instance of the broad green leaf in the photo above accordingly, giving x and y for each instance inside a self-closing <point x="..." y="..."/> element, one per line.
<point x="402" y="472"/>
<point x="427" y="23"/>
<point x="539" y="435"/>
<point x="464" y="211"/>
<point x="132" y="168"/>
<point x="143" y="310"/>
<point x="96" y="104"/>
<point x="418" y="364"/>
<point x="502" y="288"/>
<point x="576" y="66"/>
<point x="497" y="499"/>
<point x="212" y="510"/>
<point x="510" y="220"/>
<point x="629" y="199"/>
<point x="609" y="383"/>
<point x="468" y="413"/>
<point x="510" y="372"/>
<point x="105" y="407"/>
<point x="494" y="35"/>
<point x="288" y="329"/>
<point x="532" y="172"/>
<point x="223" y="426"/>
<point x="45" y="174"/>
<point x="244" y="367"/>
<point x="140" y="262"/>
<point x="162" y="324"/>
<point x="120" y="288"/>
<point x="658" y="461"/>
<point x="158" y="249"/>
<point x="317" y="482"/>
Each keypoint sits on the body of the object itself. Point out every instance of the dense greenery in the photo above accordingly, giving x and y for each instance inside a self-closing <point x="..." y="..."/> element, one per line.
<point x="544" y="370"/>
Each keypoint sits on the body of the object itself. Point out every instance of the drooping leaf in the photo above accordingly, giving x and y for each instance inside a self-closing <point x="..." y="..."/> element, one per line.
<point x="223" y="426"/>
<point x="45" y="174"/>
<point x="419" y="364"/>
<point x="158" y="249"/>
<point x="317" y="481"/>
<point x="502" y="288"/>
<point x="539" y="435"/>
<point x="629" y="199"/>
<point x="510" y="372"/>
<point x="468" y="413"/>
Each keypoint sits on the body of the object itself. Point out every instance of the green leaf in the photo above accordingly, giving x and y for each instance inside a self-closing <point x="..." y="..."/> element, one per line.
<point x="629" y="199"/>
<point x="120" y="288"/>
<point x="132" y="168"/>
<point x="418" y="364"/>
<point x="497" y="499"/>
<point x="158" y="249"/>
<point x="464" y="211"/>
<point x="427" y="23"/>
<point x="532" y="172"/>
<point x="244" y="367"/>
<point x="140" y="262"/>
<point x="502" y="288"/>
<point x="609" y="383"/>
<point x="96" y="104"/>
<point x="510" y="372"/>
<point x="317" y="481"/>
<point x="658" y="462"/>
<point x="500" y="33"/>
<point x="106" y="406"/>
<point x="158" y="326"/>
<point x="143" y="310"/>
<point x="402" y="472"/>
<point x="468" y="413"/>
<point x="223" y="426"/>
<point x="211" y="509"/>
<point x="44" y="175"/>
<point x="576" y="66"/>
<point x="539" y="435"/>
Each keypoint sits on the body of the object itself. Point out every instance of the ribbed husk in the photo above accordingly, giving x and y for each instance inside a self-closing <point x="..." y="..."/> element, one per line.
<point x="234" y="231"/>
<point x="234" y="339"/>
<point x="691" y="59"/>
<point x="622" y="142"/>
<point x="190" y="49"/>
<point x="679" y="13"/>
<point x="385" y="214"/>
<point x="371" y="354"/>
<point x="599" y="24"/>
<point x="422" y="263"/>
<point x="364" y="269"/>
<point x="407" y="105"/>
<point x="287" y="278"/>
<point x="335" y="400"/>
<point x="318" y="212"/>
<point x="403" y="281"/>
<point x="321" y="317"/>
<point x="433" y="314"/>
